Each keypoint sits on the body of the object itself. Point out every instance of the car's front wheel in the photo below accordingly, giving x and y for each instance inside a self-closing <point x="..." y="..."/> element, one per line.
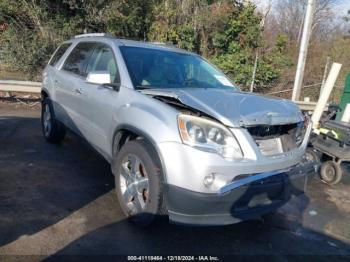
<point x="138" y="181"/>
<point x="53" y="131"/>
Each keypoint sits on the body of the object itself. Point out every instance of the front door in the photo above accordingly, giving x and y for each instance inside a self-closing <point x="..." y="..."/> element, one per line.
<point x="101" y="99"/>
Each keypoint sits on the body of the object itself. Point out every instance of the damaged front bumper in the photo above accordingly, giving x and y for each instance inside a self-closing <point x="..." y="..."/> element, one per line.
<point x="246" y="198"/>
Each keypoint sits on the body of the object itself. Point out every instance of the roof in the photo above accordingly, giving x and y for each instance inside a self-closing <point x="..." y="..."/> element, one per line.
<point x="126" y="42"/>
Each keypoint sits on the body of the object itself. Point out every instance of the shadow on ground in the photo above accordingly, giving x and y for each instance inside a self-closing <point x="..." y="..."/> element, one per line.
<point x="42" y="183"/>
<point x="60" y="200"/>
<point x="246" y="238"/>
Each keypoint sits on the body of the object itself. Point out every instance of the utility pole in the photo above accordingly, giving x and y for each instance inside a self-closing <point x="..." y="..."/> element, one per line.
<point x="262" y="24"/>
<point x="254" y="72"/>
<point x="303" y="50"/>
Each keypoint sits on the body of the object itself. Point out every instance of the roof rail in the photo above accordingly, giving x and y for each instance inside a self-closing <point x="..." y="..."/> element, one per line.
<point x="162" y="43"/>
<point x="158" y="43"/>
<point x="95" y="35"/>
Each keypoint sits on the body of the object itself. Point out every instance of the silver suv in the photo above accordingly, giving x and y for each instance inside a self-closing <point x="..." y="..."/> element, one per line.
<point x="181" y="139"/>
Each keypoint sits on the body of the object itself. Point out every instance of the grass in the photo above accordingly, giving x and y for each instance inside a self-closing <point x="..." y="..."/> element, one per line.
<point x="12" y="75"/>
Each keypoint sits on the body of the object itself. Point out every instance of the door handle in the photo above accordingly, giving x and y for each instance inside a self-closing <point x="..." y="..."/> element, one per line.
<point x="79" y="91"/>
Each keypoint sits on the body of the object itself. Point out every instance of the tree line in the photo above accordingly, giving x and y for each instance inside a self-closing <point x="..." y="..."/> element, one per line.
<point x="232" y="34"/>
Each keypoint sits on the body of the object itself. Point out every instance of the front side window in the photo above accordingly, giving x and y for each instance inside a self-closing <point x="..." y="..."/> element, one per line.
<point x="77" y="60"/>
<point x="102" y="59"/>
<point x="59" y="53"/>
<point x="153" y="68"/>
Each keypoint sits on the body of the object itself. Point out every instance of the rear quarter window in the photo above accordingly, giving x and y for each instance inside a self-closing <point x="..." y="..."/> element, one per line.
<point x="59" y="53"/>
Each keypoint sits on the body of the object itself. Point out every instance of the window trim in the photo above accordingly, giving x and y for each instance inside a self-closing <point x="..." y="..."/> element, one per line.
<point x="61" y="57"/>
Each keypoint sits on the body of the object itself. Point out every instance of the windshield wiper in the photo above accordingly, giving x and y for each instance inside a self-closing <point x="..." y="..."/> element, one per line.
<point x="146" y="87"/>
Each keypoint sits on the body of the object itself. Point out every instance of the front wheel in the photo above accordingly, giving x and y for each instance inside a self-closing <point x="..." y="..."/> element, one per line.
<point x="138" y="182"/>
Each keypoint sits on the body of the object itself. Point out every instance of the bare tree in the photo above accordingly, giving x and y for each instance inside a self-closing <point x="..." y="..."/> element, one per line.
<point x="289" y="17"/>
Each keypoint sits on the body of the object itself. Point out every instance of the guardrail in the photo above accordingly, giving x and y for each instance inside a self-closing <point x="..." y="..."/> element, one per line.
<point x="20" y="86"/>
<point x="308" y="106"/>
<point x="35" y="87"/>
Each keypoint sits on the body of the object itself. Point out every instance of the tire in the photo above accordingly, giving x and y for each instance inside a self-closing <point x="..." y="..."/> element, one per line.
<point x="331" y="172"/>
<point x="53" y="131"/>
<point x="312" y="155"/>
<point x="140" y="201"/>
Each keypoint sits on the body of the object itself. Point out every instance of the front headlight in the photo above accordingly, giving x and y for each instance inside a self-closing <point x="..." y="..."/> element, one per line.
<point x="209" y="136"/>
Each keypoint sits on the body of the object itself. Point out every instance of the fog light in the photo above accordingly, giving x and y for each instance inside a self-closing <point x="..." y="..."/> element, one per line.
<point x="209" y="180"/>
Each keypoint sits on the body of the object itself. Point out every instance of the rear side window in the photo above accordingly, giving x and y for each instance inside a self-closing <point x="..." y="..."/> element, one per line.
<point x="59" y="53"/>
<point x="77" y="60"/>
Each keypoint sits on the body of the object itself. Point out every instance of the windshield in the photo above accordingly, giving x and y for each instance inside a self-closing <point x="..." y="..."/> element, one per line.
<point x="153" y="68"/>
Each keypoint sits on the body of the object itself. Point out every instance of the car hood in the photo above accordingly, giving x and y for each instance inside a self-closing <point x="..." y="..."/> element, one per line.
<point x="234" y="108"/>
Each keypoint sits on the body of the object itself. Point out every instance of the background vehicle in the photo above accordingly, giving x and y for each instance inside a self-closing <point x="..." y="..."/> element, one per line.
<point x="182" y="140"/>
<point x="329" y="145"/>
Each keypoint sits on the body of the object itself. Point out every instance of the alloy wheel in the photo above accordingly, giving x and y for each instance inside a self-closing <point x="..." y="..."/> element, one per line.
<point x="134" y="184"/>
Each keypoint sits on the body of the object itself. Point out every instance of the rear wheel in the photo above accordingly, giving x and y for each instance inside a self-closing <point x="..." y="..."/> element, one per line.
<point x="53" y="131"/>
<point x="331" y="172"/>
<point x="138" y="181"/>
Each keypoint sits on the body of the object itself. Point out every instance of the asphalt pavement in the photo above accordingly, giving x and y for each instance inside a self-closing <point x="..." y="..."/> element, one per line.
<point x="60" y="200"/>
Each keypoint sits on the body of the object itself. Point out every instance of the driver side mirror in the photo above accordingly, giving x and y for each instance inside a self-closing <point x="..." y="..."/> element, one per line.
<point x="99" y="77"/>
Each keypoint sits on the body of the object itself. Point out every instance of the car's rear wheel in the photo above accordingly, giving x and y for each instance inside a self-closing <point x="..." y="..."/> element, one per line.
<point x="53" y="131"/>
<point x="138" y="181"/>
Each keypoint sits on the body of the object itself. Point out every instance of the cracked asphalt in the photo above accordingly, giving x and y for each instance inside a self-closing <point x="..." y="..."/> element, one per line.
<point x="59" y="200"/>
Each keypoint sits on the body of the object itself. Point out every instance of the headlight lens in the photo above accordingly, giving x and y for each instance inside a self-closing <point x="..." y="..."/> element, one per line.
<point x="209" y="136"/>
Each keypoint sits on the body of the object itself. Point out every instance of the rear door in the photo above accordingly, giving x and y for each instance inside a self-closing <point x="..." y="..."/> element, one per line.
<point x="50" y="75"/>
<point x="71" y="85"/>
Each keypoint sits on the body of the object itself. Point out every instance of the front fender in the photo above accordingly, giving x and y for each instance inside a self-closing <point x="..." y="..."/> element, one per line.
<point x="158" y="124"/>
<point x="147" y="117"/>
<point x="153" y="117"/>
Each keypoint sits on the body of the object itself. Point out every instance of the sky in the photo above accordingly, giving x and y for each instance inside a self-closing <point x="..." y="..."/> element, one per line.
<point x="340" y="6"/>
